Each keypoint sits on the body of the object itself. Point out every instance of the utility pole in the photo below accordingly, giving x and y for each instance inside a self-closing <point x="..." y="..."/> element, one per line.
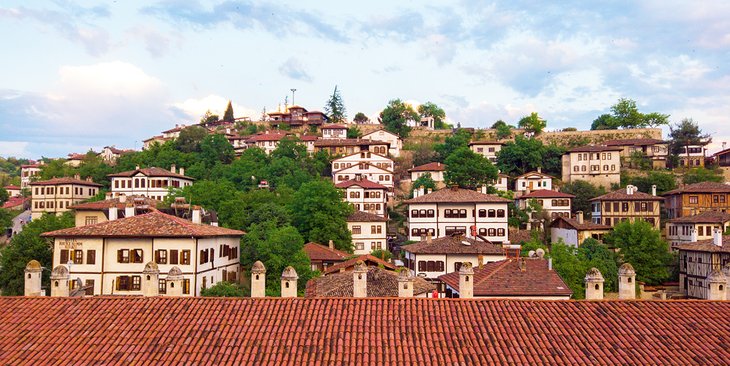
<point x="292" y="95"/>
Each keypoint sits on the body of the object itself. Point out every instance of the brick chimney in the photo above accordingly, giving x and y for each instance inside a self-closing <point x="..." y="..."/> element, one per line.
<point x="258" y="280"/>
<point x="466" y="281"/>
<point x="405" y="283"/>
<point x="33" y="274"/>
<point x="289" y="282"/>
<point x="626" y="282"/>
<point x="360" y="280"/>
<point x="594" y="284"/>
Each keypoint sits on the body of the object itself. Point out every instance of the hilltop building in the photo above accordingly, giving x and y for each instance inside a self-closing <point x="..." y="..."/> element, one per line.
<point x="697" y="198"/>
<point x="598" y="165"/>
<point x="150" y="182"/>
<point x="57" y="194"/>
<point x="626" y="204"/>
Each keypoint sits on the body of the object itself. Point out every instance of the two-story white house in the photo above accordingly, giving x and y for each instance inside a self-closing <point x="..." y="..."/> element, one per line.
<point x="267" y="141"/>
<point x="377" y="160"/>
<point x="364" y="165"/>
<point x="689" y="229"/>
<point x="150" y="182"/>
<point x="364" y="195"/>
<point x="531" y="181"/>
<point x="28" y="173"/>
<point x="57" y="194"/>
<point x="334" y="131"/>
<point x="454" y="210"/>
<point x="598" y="165"/>
<point x="555" y="204"/>
<point x="369" y="232"/>
<point x="436" y="170"/>
<point x="110" y="257"/>
<point x="396" y="144"/>
<point x="488" y="149"/>
<point x="110" y="154"/>
<point x="432" y="257"/>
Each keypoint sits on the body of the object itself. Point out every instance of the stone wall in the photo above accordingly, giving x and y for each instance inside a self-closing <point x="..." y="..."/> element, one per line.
<point x="580" y="138"/>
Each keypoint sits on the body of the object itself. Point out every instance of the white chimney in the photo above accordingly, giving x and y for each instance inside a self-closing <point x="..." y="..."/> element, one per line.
<point x="172" y="168"/>
<point x="429" y="191"/>
<point x="579" y="217"/>
<point x="629" y="189"/>
<point x="422" y="191"/>
<point x="653" y="189"/>
<point x="331" y="244"/>
<point x="466" y="281"/>
<point x="693" y="235"/>
<point x="113" y="213"/>
<point x="129" y="210"/>
<point x="717" y="237"/>
<point x="197" y="215"/>
<point x="151" y="280"/>
<point x="181" y="171"/>
<point x="594" y="284"/>
<point x="33" y="273"/>
<point x="258" y="280"/>
<point x="626" y="282"/>
<point x="59" y="281"/>
<point x="289" y="282"/>
<point x="122" y="198"/>
<point x="360" y="280"/>
<point x="405" y="283"/>
<point x="539" y="169"/>
<point x="550" y="264"/>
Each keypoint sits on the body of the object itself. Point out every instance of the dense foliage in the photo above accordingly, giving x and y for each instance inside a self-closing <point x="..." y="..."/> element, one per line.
<point x="396" y="115"/>
<point x="469" y="170"/>
<point x="527" y="154"/>
<point x="642" y="246"/>
<point x="583" y="192"/>
<point x="335" y="107"/>
<point x="223" y="289"/>
<point x="625" y="114"/>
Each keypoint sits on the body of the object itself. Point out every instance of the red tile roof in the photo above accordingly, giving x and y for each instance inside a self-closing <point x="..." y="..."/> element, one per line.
<point x="702" y="187"/>
<point x="334" y="127"/>
<point x="76" y="156"/>
<point x="546" y="193"/>
<point x="151" y="225"/>
<point x="65" y="180"/>
<point x="621" y="195"/>
<point x="368" y="259"/>
<point x="505" y="279"/>
<point x="309" y="138"/>
<point x="586" y="225"/>
<point x="457" y="195"/>
<point x="318" y="252"/>
<point x="361" y="216"/>
<point x="15" y="202"/>
<point x="348" y="142"/>
<point x="11" y="187"/>
<point x="380" y="283"/>
<point x="539" y="174"/>
<point x="150" y="172"/>
<point x="706" y="217"/>
<point x="370" y="331"/>
<point x="429" y="167"/>
<point x="634" y="142"/>
<point x="596" y="148"/>
<point x="364" y="183"/>
<point x="112" y="202"/>
<point x="453" y="245"/>
<point x="707" y="246"/>
<point x="486" y="143"/>
<point x="272" y="136"/>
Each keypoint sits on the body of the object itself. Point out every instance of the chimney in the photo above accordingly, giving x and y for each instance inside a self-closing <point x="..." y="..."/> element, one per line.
<point x="331" y="244"/>
<point x="360" y="280"/>
<point x="122" y="198"/>
<point x="59" y="281"/>
<point x="428" y="191"/>
<point x="522" y="263"/>
<point x="717" y="237"/>
<point x="717" y="286"/>
<point x="172" y="168"/>
<point x="579" y="217"/>
<point x="454" y="187"/>
<point x="428" y="237"/>
<point x="197" y="215"/>
<point x="129" y="210"/>
<point x="77" y="176"/>
<point x="258" y="280"/>
<point x="405" y="283"/>
<point x="33" y="274"/>
<point x="136" y="167"/>
<point x="550" y="264"/>
<point x="693" y="235"/>
<point x="594" y="284"/>
<point x="539" y="169"/>
<point x="174" y="282"/>
<point x="626" y="282"/>
<point x="181" y="171"/>
<point x="151" y="280"/>
<point x="630" y="189"/>
<point x="483" y="189"/>
<point x="113" y="213"/>
<point x="653" y="189"/>
<point x="289" y="282"/>
<point x="466" y="281"/>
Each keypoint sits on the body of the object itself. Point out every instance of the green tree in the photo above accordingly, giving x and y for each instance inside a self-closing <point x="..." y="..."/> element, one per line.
<point x="594" y="254"/>
<point x="424" y="181"/>
<point x="499" y="124"/>
<point x="503" y="131"/>
<point x="456" y="141"/>
<point x="26" y="246"/>
<point x="395" y="117"/>
<point x="468" y="169"/>
<point x="604" y="122"/>
<point x="627" y="114"/>
<point x="685" y="134"/>
<point x="320" y="214"/>
<point x="56" y="168"/>
<point x="655" y="119"/>
<point x="223" y="289"/>
<point x="570" y="268"/>
<point x="520" y="156"/>
<point x="532" y="123"/>
<point x="190" y="138"/>
<point x="214" y="149"/>
<point x="383" y="254"/>
<point x="361" y="118"/>
<point x="354" y="133"/>
<point x="583" y="192"/>
<point x="335" y="107"/>
<point x="642" y="246"/>
<point x="664" y="181"/>
<point x="208" y="117"/>
<point x="429" y="109"/>
<point x="4" y="195"/>
<point x="228" y="114"/>
<point x="700" y="174"/>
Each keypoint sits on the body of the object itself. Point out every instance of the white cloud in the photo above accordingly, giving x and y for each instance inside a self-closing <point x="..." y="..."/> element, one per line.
<point x="14" y="148"/>
<point x="196" y="107"/>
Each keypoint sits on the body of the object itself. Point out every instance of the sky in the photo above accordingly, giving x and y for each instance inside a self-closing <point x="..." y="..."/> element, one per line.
<point x="80" y="75"/>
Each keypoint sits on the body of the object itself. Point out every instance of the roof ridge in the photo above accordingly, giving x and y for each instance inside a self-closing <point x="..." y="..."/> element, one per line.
<point x="498" y="267"/>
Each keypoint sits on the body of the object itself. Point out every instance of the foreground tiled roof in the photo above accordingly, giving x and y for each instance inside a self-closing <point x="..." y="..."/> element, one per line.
<point x="621" y="195"/>
<point x="151" y="225"/>
<point x="586" y="225"/>
<point x="348" y="331"/>
<point x="380" y="283"/>
<point x="319" y="252"/>
<point x="633" y="142"/>
<point x="504" y="278"/>
<point x="457" y="195"/>
<point x="708" y="246"/>
<point x="706" y="217"/>
<point x="595" y="148"/>
<point x="150" y="172"/>
<point x="546" y="193"/>
<point x="65" y="180"/>
<point x="368" y="259"/>
<point x="361" y="216"/>
<point x="364" y="183"/>
<point x="453" y="245"/>
<point x="702" y="187"/>
<point x="429" y="167"/>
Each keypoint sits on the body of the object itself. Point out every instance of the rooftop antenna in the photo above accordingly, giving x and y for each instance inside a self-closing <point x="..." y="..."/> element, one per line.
<point x="293" y="90"/>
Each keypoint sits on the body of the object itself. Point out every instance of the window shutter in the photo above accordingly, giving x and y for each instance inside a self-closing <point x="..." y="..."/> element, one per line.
<point x="64" y="256"/>
<point x="637" y="206"/>
<point x="91" y="256"/>
<point x="119" y="256"/>
<point x="157" y="256"/>
<point x="173" y="256"/>
<point x="650" y="206"/>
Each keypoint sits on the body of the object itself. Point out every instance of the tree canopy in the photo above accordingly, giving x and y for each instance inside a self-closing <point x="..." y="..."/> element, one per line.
<point x="583" y="192"/>
<point x="468" y="169"/>
<point x="335" y="107"/>
<point x="361" y="118"/>
<point x="625" y="114"/>
<point x="424" y="181"/>
<point x="429" y="109"/>
<point x="395" y="117"/>
<point x="700" y="174"/>
<point x="527" y="154"/>
<point x="686" y="133"/>
<point x="4" y="195"/>
<point x="228" y="114"/>
<point x="642" y="246"/>
<point x="190" y="138"/>
<point x="456" y="141"/>
<point x="319" y="213"/>
<point x="223" y="289"/>
<point x="533" y="123"/>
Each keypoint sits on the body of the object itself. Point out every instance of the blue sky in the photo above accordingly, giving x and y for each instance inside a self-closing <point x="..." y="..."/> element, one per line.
<point x="84" y="74"/>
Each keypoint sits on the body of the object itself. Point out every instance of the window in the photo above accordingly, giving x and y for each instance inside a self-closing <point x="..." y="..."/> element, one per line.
<point x="482" y="231"/>
<point x="89" y="220"/>
<point x="185" y="257"/>
<point x="161" y="256"/>
<point x="414" y="213"/>
<point x="162" y="286"/>
<point x="89" y="284"/>
<point x="123" y="256"/>
<point x="173" y="256"/>
<point x="624" y="206"/>
<point x="77" y="256"/>
<point x="359" y="245"/>
<point x="136" y="283"/>
<point x="376" y="245"/>
<point x="453" y="230"/>
<point x="693" y="199"/>
<point x="500" y="232"/>
<point x="91" y="256"/>
<point x="356" y="229"/>
<point x="203" y="256"/>
<point x="576" y="168"/>
<point x="376" y="229"/>
<point x="491" y="213"/>
<point x="122" y="283"/>
<point x="500" y="213"/>
<point x="186" y="286"/>
<point x="137" y="256"/>
<point x="482" y="213"/>
<point x="492" y="232"/>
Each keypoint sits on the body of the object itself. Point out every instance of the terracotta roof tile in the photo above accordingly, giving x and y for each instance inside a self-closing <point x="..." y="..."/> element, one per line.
<point x="380" y="283"/>
<point x="504" y="278"/>
<point x="151" y="225"/>
<point x="12" y="187"/>
<point x="621" y="195"/>
<point x="15" y="202"/>
<point x="708" y="246"/>
<point x="460" y="195"/>
<point x="150" y="172"/>
<point x="453" y="245"/>
<point x="586" y="225"/>
<point x="370" y="331"/>
<point x="429" y="167"/>
<point x="368" y="259"/>
<point x="272" y="136"/>
<point x="486" y="142"/>
<point x="595" y="148"/>
<point x="309" y="138"/>
<point x="539" y="174"/>
<point x="633" y="142"/>
<point x="319" y="252"/>
<point x="347" y="142"/>
<point x="706" y="217"/>
<point x="65" y="180"/>
<point x="361" y="216"/>
<point x="546" y="193"/>
<point x="334" y="126"/>
<point x="364" y="182"/>
<point x="702" y="187"/>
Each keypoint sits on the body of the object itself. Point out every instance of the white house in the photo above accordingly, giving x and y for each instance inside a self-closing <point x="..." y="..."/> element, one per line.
<point x="436" y="170"/>
<point x="267" y="141"/>
<point x="698" y="260"/>
<point x="369" y="232"/>
<point x="533" y="181"/>
<point x="689" y="229"/>
<point x="57" y="194"/>
<point x="365" y="195"/>
<point x="573" y="231"/>
<point x="554" y="203"/>
<point x="28" y="173"/>
<point x="110" y="154"/>
<point x="13" y="191"/>
<point x="364" y="165"/>
<point x="396" y="144"/>
<point x="110" y="257"/>
<point x="149" y="182"/>
<point x="455" y="210"/>
<point x="599" y="165"/>
<point x="488" y="149"/>
<point x="334" y="131"/>
<point x="433" y="257"/>
<point x="357" y="158"/>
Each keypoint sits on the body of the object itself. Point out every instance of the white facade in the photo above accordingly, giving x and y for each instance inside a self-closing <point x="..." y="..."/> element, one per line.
<point x="364" y="170"/>
<point x="444" y="219"/>
<point x="436" y="175"/>
<point x="334" y="132"/>
<point x="152" y="183"/>
<point x="597" y="165"/>
<point x="358" y="158"/>
<point x="28" y="174"/>
<point x="487" y="149"/>
<point x="13" y="191"/>
<point x="569" y="236"/>
<point x="446" y="263"/>
<point x="396" y="144"/>
<point x="56" y="195"/>
<point x="370" y="200"/>
<point x="553" y="206"/>
<point x="368" y="236"/>
<point x="684" y="232"/>
<point x="533" y="181"/>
